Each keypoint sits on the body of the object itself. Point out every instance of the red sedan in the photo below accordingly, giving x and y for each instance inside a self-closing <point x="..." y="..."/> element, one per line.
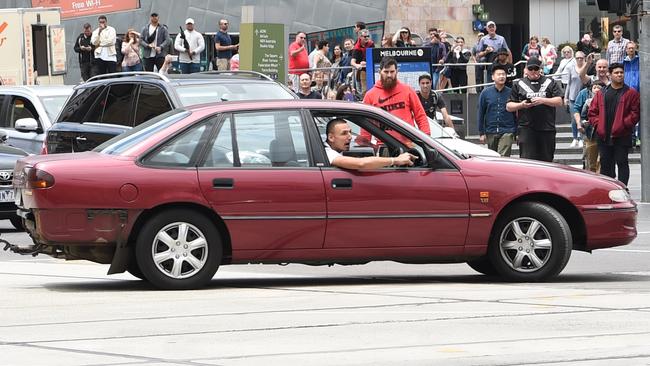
<point x="251" y="182"/>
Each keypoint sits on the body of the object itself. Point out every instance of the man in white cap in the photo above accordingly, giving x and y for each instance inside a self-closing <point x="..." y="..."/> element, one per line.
<point x="189" y="45"/>
<point x="491" y="43"/>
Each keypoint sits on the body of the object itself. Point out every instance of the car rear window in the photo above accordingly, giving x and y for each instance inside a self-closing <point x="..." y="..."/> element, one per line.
<point x="53" y="104"/>
<point x="210" y="93"/>
<point x="132" y="137"/>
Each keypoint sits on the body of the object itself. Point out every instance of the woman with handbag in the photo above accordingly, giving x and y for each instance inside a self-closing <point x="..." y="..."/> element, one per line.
<point x="131" y="51"/>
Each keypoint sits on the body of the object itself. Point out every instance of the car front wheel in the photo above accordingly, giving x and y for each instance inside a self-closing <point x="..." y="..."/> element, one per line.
<point x="178" y="249"/>
<point x="531" y="242"/>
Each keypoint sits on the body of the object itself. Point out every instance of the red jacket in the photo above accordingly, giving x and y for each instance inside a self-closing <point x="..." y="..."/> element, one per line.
<point x="627" y="113"/>
<point x="402" y="102"/>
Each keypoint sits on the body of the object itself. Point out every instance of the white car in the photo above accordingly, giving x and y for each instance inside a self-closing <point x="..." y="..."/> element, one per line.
<point x="449" y="138"/>
<point x="444" y="135"/>
<point x="26" y="112"/>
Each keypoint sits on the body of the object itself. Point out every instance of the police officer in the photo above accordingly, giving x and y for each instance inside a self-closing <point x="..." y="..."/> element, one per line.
<point x="535" y="98"/>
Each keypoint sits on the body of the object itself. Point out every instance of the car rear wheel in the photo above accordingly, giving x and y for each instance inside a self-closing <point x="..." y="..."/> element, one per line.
<point x="531" y="242"/>
<point x="178" y="249"/>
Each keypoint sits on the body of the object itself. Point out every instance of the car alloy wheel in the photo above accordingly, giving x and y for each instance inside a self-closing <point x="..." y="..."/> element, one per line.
<point x="531" y="241"/>
<point x="179" y="250"/>
<point x="178" y="254"/>
<point x="525" y="245"/>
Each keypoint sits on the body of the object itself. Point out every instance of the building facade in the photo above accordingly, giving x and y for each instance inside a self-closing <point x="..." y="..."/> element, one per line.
<point x="561" y="20"/>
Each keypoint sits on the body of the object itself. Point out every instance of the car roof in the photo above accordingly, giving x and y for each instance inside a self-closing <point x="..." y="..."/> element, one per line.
<point x="207" y="77"/>
<point x="40" y="90"/>
<point x="247" y="105"/>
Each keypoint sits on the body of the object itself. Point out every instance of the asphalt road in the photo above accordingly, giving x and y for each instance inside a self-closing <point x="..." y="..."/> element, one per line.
<point x="71" y="313"/>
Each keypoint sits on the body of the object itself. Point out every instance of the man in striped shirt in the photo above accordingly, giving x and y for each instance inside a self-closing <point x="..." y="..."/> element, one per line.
<point x="616" y="47"/>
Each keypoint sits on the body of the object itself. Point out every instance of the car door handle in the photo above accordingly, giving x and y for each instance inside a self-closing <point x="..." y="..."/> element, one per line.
<point x="223" y="183"/>
<point x="342" y="183"/>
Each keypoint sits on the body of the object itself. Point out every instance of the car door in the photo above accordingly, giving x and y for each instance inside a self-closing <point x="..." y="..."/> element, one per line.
<point x="17" y="107"/>
<point x="258" y="175"/>
<point x="395" y="206"/>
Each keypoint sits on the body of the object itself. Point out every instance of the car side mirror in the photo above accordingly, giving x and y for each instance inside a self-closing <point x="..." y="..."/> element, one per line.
<point x="26" y="125"/>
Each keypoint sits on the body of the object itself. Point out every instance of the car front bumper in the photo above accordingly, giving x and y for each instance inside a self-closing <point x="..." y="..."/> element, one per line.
<point x="610" y="225"/>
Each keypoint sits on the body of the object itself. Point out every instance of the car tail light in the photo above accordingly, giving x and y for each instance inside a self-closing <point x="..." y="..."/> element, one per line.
<point x="39" y="179"/>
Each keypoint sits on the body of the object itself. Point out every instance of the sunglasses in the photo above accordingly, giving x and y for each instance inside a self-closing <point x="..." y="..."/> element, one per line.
<point x="533" y="68"/>
<point x="365" y="36"/>
<point x="580" y="58"/>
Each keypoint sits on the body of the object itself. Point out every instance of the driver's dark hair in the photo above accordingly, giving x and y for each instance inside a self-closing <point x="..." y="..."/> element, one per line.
<point x="387" y="62"/>
<point x="332" y="123"/>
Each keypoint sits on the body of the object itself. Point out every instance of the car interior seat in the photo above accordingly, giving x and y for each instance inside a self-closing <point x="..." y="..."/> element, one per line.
<point x="282" y="153"/>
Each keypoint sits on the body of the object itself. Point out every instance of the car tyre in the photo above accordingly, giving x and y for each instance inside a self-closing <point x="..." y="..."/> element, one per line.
<point x="178" y="249"/>
<point x="483" y="265"/>
<point x="530" y="242"/>
<point x="17" y="222"/>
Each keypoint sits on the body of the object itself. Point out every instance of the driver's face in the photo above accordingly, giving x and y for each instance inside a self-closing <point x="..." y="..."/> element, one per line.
<point x="339" y="139"/>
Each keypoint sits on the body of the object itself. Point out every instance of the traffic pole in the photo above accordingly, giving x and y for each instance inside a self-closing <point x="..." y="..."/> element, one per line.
<point x="644" y="75"/>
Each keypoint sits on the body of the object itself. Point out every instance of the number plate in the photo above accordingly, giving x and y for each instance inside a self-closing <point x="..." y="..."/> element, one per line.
<point x="7" y="195"/>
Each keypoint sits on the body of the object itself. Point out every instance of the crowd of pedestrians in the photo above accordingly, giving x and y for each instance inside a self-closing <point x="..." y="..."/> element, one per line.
<point x="102" y="51"/>
<point x="601" y="93"/>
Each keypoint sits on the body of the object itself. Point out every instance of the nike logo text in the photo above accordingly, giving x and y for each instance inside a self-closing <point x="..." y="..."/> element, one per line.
<point x="381" y="101"/>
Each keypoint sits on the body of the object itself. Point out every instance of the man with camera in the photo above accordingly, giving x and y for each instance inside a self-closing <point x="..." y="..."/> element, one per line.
<point x="535" y="98"/>
<point x="189" y="44"/>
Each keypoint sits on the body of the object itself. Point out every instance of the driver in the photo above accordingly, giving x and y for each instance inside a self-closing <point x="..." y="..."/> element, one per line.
<point x="339" y="136"/>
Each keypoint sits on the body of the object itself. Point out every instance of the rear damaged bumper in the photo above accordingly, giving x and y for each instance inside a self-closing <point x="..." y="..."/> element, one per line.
<point x="72" y="234"/>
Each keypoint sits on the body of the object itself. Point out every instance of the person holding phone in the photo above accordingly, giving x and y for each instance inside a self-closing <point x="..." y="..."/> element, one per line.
<point x="85" y="49"/>
<point x="154" y="40"/>
<point x="535" y="97"/>
<point x="103" y="38"/>
<point x="131" y="51"/>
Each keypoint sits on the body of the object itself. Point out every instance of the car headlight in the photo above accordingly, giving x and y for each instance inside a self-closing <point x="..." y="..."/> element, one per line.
<point x="619" y="195"/>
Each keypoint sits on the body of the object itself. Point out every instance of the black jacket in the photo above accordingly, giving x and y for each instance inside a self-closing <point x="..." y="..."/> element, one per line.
<point x="84" y="56"/>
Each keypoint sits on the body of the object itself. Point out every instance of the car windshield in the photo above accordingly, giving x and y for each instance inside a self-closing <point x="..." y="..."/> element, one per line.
<point x="53" y="104"/>
<point x="208" y="93"/>
<point x="436" y="130"/>
<point x="123" y="142"/>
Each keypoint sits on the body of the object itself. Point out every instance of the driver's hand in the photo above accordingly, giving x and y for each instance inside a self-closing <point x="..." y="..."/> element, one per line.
<point x="405" y="159"/>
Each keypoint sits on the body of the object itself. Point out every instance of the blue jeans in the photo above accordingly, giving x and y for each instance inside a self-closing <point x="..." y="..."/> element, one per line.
<point x="189" y="68"/>
<point x="574" y="127"/>
<point x="435" y="77"/>
<point x="136" y="67"/>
